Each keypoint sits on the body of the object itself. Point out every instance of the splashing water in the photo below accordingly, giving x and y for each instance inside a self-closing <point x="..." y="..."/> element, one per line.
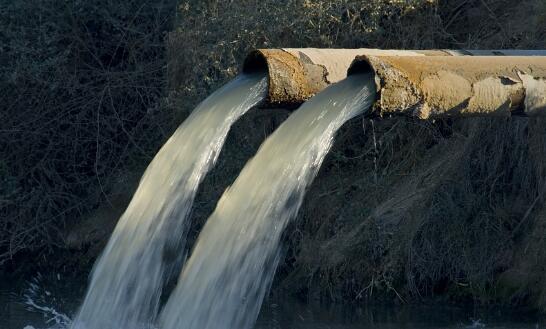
<point x="37" y="299"/>
<point x="231" y="267"/>
<point x="127" y="280"/>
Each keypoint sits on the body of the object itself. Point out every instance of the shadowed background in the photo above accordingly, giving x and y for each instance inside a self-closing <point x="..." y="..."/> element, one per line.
<point x="402" y="210"/>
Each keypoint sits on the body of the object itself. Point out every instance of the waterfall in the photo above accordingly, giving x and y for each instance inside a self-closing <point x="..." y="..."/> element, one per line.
<point x="224" y="282"/>
<point x="127" y="280"/>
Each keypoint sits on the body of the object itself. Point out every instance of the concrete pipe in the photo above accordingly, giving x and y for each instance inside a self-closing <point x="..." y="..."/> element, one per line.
<point x="297" y="74"/>
<point x="440" y="86"/>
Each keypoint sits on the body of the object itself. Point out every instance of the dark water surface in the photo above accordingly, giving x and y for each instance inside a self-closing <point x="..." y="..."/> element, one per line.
<point x="305" y="316"/>
<point x="35" y="306"/>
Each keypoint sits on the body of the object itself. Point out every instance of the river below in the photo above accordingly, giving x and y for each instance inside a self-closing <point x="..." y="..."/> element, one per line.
<point x="49" y="305"/>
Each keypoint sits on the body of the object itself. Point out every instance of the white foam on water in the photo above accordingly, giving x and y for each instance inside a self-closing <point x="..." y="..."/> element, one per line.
<point x="223" y="284"/>
<point x="39" y="300"/>
<point x="127" y="280"/>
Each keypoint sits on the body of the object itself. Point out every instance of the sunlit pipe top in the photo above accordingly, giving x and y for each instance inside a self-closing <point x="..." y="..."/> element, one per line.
<point x="460" y="86"/>
<point x="295" y="75"/>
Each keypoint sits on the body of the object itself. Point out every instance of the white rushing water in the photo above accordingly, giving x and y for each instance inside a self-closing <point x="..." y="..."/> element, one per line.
<point x="127" y="279"/>
<point x="232" y="264"/>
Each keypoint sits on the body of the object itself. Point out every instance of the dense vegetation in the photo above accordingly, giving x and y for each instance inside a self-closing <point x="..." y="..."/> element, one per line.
<point x="402" y="209"/>
<point x="81" y="85"/>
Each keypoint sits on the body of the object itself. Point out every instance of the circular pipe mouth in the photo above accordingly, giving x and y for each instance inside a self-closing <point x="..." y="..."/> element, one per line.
<point x="288" y="81"/>
<point x="255" y="62"/>
<point x="360" y="65"/>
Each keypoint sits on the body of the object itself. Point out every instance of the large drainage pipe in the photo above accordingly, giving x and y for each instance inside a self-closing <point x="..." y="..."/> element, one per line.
<point x="432" y="87"/>
<point x="297" y="74"/>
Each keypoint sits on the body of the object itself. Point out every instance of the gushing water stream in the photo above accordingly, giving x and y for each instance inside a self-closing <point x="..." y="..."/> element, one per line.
<point x="127" y="280"/>
<point x="230" y="269"/>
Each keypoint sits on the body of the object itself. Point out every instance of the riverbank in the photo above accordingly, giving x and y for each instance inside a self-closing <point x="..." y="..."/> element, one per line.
<point x="403" y="211"/>
<point x="52" y="302"/>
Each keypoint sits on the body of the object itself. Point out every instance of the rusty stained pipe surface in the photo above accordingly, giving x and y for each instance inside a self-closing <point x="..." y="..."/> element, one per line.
<point x="297" y="74"/>
<point x="439" y="86"/>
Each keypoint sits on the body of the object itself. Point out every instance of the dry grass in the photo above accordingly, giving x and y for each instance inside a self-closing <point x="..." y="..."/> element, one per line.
<point x="402" y="209"/>
<point x="445" y="221"/>
<point x="81" y="103"/>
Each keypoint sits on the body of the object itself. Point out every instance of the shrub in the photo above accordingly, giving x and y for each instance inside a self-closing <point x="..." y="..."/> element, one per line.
<point x="81" y="85"/>
<point x="404" y="209"/>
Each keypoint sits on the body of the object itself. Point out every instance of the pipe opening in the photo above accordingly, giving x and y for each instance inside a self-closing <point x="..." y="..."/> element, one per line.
<point x="255" y="62"/>
<point x="450" y="86"/>
<point x="360" y="66"/>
